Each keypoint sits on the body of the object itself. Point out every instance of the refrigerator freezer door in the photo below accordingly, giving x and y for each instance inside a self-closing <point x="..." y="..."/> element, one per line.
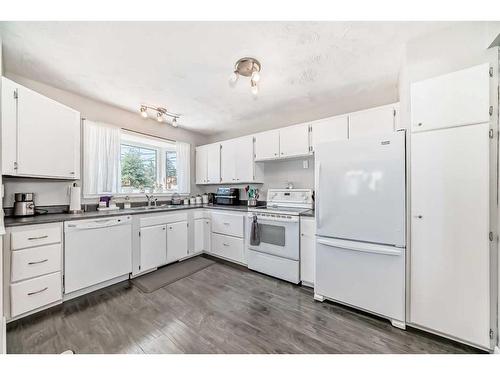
<point x="367" y="276"/>
<point x="360" y="189"/>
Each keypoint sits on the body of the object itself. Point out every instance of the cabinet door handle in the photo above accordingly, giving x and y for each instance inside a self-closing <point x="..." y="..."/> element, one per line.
<point x="419" y="124"/>
<point x="71" y="172"/>
<point x="38" y="291"/>
<point x="38" y="262"/>
<point x="37" y="238"/>
<point x="226" y="223"/>
<point x="418" y="216"/>
<point x="225" y="244"/>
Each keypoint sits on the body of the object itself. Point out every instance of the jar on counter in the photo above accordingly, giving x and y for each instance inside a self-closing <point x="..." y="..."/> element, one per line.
<point x="192" y="200"/>
<point x="186" y="201"/>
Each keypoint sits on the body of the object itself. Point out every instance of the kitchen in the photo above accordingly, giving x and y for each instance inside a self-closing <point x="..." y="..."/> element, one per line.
<point x="297" y="211"/>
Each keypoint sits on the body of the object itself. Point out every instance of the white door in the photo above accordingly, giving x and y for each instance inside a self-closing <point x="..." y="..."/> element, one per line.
<point x="213" y="163"/>
<point x="201" y="165"/>
<point x="372" y="122"/>
<point x="454" y="99"/>
<point x="153" y="247"/>
<point x="329" y="129"/>
<point x="199" y="235"/>
<point x="48" y="137"/>
<point x="307" y="250"/>
<point x="294" y="140"/>
<point x="177" y="241"/>
<point x="227" y="161"/>
<point x="243" y="159"/>
<point x="450" y="264"/>
<point x="9" y="126"/>
<point x="267" y="145"/>
<point x="360" y="189"/>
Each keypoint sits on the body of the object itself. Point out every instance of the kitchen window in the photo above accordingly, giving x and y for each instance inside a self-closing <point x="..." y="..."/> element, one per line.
<point x="121" y="162"/>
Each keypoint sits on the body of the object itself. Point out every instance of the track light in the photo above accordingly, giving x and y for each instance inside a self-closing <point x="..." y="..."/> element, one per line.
<point x="161" y="114"/>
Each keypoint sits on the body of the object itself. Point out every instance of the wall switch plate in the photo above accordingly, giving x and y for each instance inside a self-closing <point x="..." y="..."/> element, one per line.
<point x="305" y="164"/>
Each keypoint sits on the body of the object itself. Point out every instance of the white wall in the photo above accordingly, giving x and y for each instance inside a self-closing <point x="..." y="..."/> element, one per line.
<point x="458" y="47"/>
<point x="277" y="174"/>
<point x="55" y="192"/>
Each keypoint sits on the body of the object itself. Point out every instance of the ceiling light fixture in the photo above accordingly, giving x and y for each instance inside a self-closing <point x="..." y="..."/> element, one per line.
<point x="161" y="113"/>
<point x="247" y="67"/>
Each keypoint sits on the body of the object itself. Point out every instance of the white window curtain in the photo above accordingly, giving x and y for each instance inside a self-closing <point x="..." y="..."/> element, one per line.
<point x="183" y="167"/>
<point x="101" y="158"/>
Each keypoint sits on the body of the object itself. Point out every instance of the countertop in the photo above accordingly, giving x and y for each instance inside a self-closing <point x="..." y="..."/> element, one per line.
<point x="60" y="217"/>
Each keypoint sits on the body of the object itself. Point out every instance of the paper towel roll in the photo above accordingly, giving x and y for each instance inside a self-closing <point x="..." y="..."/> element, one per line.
<point x="75" y="203"/>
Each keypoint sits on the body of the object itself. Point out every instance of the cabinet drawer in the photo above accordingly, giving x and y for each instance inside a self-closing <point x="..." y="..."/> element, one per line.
<point x="34" y="293"/>
<point x="35" y="237"/>
<point x="36" y="261"/>
<point x="228" y="247"/>
<point x="228" y="224"/>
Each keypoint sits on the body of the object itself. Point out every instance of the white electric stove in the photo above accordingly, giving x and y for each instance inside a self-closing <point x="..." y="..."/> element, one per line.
<point x="277" y="250"/>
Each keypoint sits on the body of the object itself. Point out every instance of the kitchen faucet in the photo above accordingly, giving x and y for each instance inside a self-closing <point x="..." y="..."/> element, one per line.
<point x="151" y="198"/>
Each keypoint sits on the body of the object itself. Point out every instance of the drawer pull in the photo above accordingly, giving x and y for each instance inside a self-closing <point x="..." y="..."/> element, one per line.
<point x="37" y="238"/>
<point x="38" y="291"/>
<point x="38" y="262"/>
<point x="226" y="223"/>
<point x="225" y="244"/>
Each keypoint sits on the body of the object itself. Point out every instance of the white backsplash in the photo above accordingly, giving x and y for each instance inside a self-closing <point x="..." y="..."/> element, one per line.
<point x="47" y="192"/>
<point x="277" y="174"/>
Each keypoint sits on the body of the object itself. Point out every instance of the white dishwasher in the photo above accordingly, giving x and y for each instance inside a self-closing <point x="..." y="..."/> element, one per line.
<point x="96" y="251"/>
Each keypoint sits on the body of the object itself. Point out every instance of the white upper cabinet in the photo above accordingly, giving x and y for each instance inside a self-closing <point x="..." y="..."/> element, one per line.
<point x="9" y="126"/>
<point x="47" y="134"/>
<point x="201" y="164"/>
<point x="267" y="145"/>
<point x="288" y="142"/>
<point x="294" y="141"/>
<point x="208" y="164"/>
<point x="237" y="163"/>
<point x="329" y="129"/>
<point x="213" y="163"/>
<point x="379" y="120"/>
<point x="454" y="99"/>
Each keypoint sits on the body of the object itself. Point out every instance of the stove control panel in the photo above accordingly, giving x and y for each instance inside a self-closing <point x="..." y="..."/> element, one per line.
<point x="302" y="198"/>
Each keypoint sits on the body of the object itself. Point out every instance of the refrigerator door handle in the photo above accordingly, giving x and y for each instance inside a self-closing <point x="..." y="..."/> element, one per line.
<point x="362" y="247"/>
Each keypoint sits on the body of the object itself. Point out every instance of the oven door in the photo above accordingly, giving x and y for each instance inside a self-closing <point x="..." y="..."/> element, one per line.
<point x="279" y="235"/>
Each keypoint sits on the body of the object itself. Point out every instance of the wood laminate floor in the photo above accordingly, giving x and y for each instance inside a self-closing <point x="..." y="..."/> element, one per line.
<point x="221" y="309"/>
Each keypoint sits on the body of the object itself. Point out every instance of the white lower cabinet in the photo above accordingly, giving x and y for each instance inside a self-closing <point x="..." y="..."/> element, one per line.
<point x="307" y="250"/>
<point x="34" y="293"/>
<point x="153" y="247"/>
<point x="33" y="269"/>
<point x="228" y="247"/>
<point x="202" y="234"/>
<point x="177" y="241"/>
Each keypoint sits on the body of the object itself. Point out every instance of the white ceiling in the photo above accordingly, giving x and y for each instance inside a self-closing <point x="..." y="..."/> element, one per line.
<point x="309" y="69"/>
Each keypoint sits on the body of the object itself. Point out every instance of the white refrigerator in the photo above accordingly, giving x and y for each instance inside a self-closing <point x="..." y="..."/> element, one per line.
<point x="360" y="224"/>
